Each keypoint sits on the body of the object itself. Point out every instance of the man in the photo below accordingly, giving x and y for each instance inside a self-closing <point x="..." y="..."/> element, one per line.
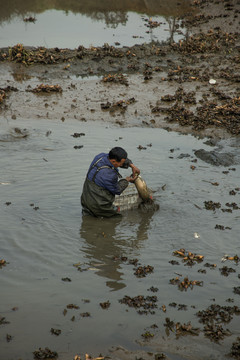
<point x="103" y="182"/>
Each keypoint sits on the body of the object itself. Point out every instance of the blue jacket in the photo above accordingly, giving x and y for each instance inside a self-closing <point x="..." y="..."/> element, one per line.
<point x="106" y="177"/>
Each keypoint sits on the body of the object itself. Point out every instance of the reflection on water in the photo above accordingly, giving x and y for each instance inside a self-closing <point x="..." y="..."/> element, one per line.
<point x="104" y="241"/>
<point x="72" y="23"/>
<point x="41" y="246"/>
<point x="112" y="11"/>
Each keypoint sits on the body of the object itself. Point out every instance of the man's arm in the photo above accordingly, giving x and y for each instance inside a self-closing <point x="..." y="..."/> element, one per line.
<point x="135" y="171"/>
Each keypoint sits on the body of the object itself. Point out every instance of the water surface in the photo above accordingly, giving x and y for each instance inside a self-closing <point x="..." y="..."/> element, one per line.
<point x="43" y="235"/>
<point x="67" y="24"/>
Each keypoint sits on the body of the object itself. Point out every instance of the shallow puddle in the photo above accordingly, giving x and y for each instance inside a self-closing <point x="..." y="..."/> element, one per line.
<point x="44" y="239"/>
<point x="68" y="25"/>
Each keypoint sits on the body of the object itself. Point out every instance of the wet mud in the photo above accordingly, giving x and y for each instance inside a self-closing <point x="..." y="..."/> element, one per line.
<point x="188" y="86"/>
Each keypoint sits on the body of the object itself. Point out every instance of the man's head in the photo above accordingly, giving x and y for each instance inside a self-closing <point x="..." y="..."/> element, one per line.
<point x="117" y="156"/>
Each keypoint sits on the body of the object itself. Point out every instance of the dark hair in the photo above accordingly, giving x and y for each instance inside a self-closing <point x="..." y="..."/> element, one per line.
<point x="117" y="153"/>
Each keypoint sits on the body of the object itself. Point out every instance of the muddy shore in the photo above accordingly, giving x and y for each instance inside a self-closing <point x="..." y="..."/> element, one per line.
<point x="191" y="86"/>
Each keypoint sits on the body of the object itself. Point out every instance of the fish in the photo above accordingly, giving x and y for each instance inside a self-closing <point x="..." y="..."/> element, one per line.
<point x="144" y="192"/>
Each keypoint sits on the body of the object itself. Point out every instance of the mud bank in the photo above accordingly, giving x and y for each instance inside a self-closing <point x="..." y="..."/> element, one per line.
<point x="191" y="86"/>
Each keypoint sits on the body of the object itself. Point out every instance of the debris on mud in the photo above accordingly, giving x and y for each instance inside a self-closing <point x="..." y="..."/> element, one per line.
<point x="119" y="105"/>
<point x="18" y="53"/>
<point x="147" y="335"/>
<point x="227" y="210"/>
<point x="66" y="279"/>
<point x="213" y="317"/>
<point x="221" y="227"/>
<point x="160" y="356"/>
<point x="29" y="19"/>
<point x="4" y="91"/>
<point x="88" y="357"/>
<point x="76" y="135"/>
<point x="226" y="270"/>
<point x="217" y="109"/>
<point x="212" y="41"/>
<point x="164" y="309"/>
<point x="85" y="314"/>
<point x="188" y="257"/>
<point x="186" y="329"/>
<point x="41" y="55"/>
<point x="202" y="271"/>
<point x="218" y="313"/>
<point x="140" y="147"/>
<point x="56" y="332"/>
<point x="116" y="78"/>
<point x="80" y="267"/>
<point x="236" y="290"/>
<point x="180" y="329"/>
<point x="134" y="262"/>
<point x="72" y="306"/>
<point x="180" y="306"/>
<point x="233" y="205"/>
<point x="46" y="88"/>
<point x="2" y="96"/>
<point x="153" y="289"/>
<point x="211" y="205"/>
<point x="211" y="113"/>
<point x="211" y="266"/>
<point x="121" y="258"/>
<point x="232" y="258"/>
<point x="185" y="283"/>
<point x="45" y="354"/>
<point x="3" y="321"/>
<point x="152" y="24"/>
<point x="142" y="271"/>
<point x="105" y="305"/>
<point x="235" y="349"/>
<point x="2" y="263"/>
<point x="174" y="262"/>
<point x="215" y="332"/>
<point x="169" y="325"/>
<point x="147" y="303"/>
<point x="9" y="337"/>
<point x="19" y="133"/>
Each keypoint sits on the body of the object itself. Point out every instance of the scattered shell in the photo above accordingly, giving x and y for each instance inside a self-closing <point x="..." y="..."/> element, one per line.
<point x="45" y="354"/>
<point x="212" y="81"/>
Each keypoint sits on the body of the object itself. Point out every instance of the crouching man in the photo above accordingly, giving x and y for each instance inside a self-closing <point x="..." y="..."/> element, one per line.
<point x="103" y="182"/>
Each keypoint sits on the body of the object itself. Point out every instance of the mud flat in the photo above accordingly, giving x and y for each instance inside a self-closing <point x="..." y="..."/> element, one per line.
<point x="189" y="86"/>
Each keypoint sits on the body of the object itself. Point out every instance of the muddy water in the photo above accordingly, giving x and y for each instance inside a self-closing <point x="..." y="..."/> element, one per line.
<point x="67" y="24"/>
<point x="43" y="235"/>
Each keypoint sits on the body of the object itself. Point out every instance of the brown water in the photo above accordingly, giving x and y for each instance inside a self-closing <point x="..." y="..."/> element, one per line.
<point x="68" y="24"/>
<point x="43" y="235"/>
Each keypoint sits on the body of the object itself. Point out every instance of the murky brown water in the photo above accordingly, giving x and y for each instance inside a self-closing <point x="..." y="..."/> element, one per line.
<point x="67" y="24"/>
<point x="43" y="235"/>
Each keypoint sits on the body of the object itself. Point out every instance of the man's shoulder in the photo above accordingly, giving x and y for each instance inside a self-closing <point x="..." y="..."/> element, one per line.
<point x="99" y="156"/>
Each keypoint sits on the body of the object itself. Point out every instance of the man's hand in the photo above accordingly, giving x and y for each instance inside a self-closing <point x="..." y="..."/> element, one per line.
<point x="135" y="171"/>
<point x="131" y="178"/>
